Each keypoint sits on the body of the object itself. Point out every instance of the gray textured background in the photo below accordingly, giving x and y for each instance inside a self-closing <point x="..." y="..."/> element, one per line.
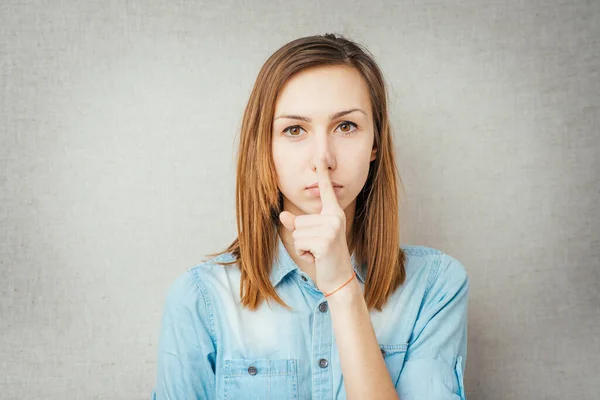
<point x="118" y="133"/>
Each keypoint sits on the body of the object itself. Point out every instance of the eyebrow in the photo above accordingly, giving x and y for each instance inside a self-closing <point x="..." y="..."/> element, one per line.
<point x="331" y="117"/>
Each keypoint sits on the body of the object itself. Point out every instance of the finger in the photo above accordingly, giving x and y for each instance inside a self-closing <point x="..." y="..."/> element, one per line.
<point x="308" y="221"/>
<point x="312" y="232"/>
<point x="307" y="256"/>
<point x="329" y="200"/>
<point x="303" y="250"/>
<point x="287" y="219"/>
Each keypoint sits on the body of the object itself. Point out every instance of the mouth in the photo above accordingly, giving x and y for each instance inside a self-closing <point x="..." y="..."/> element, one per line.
<point x="314" y="191"/>
<point x="316" y="185"/>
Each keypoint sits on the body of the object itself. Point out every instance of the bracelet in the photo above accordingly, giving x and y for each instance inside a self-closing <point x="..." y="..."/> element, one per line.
<point x="352" y="277"/>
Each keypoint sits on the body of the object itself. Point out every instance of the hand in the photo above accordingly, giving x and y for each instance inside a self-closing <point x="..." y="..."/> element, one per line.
<point x="321" y="238"/>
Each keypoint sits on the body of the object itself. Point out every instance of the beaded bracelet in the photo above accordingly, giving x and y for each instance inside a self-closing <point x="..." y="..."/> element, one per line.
<point x="352" y="277"/>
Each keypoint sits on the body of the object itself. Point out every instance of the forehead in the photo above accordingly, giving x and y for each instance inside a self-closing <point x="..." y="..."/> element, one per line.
<point x="323" y="90"/>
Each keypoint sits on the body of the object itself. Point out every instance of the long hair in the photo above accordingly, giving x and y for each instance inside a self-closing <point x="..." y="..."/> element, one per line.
<point x="375" y="233"/>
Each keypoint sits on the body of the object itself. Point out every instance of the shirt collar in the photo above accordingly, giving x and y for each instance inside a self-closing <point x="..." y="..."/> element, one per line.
<point x="283" y="264"/>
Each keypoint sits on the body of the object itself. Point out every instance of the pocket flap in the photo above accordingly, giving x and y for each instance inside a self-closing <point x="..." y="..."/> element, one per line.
<point x="260" y="367"/>
<point x="390" y="349"/>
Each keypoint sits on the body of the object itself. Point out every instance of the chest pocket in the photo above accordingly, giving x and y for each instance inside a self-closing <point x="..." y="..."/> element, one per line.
<point x="393" y="355"/>
<point x="260" y="379"/>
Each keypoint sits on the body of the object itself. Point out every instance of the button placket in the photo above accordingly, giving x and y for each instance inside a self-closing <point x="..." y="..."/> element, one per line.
<point x="322" y="349"/>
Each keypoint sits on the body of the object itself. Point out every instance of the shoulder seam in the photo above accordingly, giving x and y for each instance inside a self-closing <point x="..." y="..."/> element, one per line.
<point x="207" y="304"/>
<point x="417" y="250"/>
<point x="434" y="273"/>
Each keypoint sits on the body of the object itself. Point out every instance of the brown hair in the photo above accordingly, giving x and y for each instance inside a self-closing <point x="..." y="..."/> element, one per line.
<point x="375" y="233"/>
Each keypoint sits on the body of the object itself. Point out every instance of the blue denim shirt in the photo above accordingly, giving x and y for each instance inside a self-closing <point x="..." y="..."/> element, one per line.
<point x="210" y="347"/>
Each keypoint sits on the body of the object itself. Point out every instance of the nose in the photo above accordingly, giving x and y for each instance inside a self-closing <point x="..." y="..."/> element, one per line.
<point x="323" y="150"/>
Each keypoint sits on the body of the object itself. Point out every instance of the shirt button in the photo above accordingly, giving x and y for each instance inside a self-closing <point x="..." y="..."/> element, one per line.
<point x="323" y="363"/>
<point x="304" y="278"/>
<point x="323" y="307"/>
<point x="252" y="370"/>
<point x="383" y="352"/>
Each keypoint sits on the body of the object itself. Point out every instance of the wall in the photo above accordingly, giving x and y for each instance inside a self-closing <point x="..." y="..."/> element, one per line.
<point x="118" y="136"/>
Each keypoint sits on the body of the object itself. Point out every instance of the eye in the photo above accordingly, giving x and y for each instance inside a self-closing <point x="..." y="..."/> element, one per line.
<point x="348" y="123"/>
<point x="295" y="129"/>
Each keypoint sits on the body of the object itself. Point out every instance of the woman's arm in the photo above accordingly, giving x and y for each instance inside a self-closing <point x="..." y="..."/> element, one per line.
<point x="365" y="373"/>
<point x="437" y="351"/>
<point x="436" y="354"/>
<point x="187" y="345"/>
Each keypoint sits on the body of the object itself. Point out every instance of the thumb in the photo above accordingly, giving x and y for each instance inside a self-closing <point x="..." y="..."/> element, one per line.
<point x="287" y="219"/>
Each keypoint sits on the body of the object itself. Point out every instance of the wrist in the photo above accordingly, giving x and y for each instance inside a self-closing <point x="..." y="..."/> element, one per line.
<point x="340" y="287"/>
<point x="346" y="294"/>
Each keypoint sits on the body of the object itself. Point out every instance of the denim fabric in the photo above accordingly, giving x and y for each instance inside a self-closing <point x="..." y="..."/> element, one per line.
<point x="210" y="347"/>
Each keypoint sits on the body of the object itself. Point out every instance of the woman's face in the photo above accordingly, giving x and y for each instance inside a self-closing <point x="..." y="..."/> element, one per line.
<point x="303" y="132"/>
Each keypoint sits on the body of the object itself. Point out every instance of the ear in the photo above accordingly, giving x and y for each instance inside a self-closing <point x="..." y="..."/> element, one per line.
<point x="373" y="153"/>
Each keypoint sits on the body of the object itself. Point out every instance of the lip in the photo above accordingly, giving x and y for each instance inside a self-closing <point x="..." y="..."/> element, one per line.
<point x="316" y="185"/>
<point x="314" y="191"/>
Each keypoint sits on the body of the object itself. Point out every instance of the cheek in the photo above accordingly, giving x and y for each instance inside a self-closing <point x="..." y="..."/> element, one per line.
<point x="286" y="167"/>
<point x="278" y="158"/>
<point x="286" y="158"/>
<point x="359" y="163"/>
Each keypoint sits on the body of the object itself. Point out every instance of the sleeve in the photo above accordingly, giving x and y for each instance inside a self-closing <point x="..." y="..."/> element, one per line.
<point x="437" y="349"/>
<point x="187" y="344"/>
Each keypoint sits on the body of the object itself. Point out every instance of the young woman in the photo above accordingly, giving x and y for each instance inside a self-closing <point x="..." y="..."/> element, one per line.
<point x="316" y="298"/>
